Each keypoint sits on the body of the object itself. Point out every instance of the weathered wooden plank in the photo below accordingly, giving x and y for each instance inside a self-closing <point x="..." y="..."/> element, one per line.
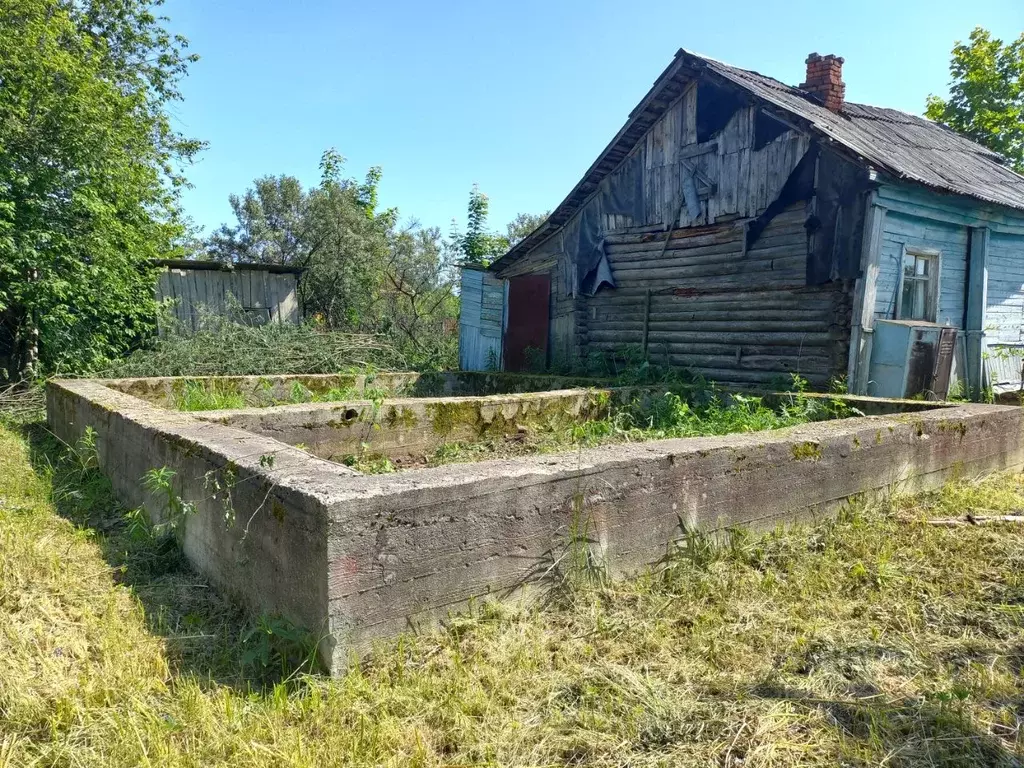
<point x="743" y="183"/>
<point x="770" y="338"/>
<point x="689" y="116"/>
<point x="698" y="307"/>
<point x="618" y="319"/>
<point x="274" y="297"/>
<point x="708" y="256"/>
<point x="196" y="299"/>
<point x="657" y="324"/>
<point x="789" y="265"/>
<point x="727" y="183"/>
<point x="730" y="349"/>
<point x="180" y="297"/>
<point x="796" y="241"/>
<point x="693" y="150"/>
<point x="748" y="292"/>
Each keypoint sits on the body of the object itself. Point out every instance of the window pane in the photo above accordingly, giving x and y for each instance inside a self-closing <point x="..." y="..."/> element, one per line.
<point x="907" y="307"/>
<point x="917" y="296"/>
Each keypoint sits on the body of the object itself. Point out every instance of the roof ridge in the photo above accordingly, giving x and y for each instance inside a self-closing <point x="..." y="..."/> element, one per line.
<point x="721" y="63"/>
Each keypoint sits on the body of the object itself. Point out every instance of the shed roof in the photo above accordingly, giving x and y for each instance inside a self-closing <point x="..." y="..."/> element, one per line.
<point x="902" y="145"/>
<point x="226" y="266"/>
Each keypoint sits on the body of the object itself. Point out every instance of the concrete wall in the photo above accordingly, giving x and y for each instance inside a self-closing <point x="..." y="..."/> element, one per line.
<point x="418" y="543"/>
<point x="266" y="391"/>
<point x="412" y="427"/>
<point x="267" y="547"/>
<point x="363" y="556"/>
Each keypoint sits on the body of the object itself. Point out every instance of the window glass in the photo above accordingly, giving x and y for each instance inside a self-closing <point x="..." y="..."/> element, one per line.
<point x="919" y="290"/>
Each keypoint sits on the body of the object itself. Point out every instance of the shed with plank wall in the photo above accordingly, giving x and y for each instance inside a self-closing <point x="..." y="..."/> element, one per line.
<point x="253" y="293"/>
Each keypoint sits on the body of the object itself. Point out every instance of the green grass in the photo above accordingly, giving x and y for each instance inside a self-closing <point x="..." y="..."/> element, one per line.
<point x="696" y="413"/>
<point x="198" y="396"/>
<point x="871" y="639"/>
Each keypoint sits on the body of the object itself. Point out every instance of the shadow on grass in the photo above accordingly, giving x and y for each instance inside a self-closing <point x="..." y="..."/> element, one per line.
<point x="207" y="636"/>
<point x="936" y="731"/>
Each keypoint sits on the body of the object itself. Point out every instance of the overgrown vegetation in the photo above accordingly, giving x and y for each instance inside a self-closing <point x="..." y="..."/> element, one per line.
<point x="365" y="271"/>
<point x="874" y="638"/>
<point x="686" y="409"/>
<point x="196" y="395"/>
<point x="223" y="348"/>
<point x="90" y="168"/>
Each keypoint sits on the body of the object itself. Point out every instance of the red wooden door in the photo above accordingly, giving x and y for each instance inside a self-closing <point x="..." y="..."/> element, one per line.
<point x="527" y="321"/>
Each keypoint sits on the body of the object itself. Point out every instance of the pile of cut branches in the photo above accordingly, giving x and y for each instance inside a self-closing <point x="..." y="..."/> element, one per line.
<point x="22" y="402"/>
<point x="230" y="349"/>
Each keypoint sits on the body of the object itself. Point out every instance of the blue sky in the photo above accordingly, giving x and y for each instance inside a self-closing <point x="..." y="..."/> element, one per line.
<point x="519" y="97"/>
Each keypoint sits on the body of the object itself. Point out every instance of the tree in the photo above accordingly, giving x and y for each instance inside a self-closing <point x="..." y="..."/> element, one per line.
<point x="332" y="230"/>
<point x="90" y="170"/>
<point x="271" y="218"/>
<point x="477" y="245"/>
<point x="348" y="246"/>
<point x="419" y="308"/>
<point x="986" y="95"/>
<point x="524" y="224"/>
<point x="363" y="272"/>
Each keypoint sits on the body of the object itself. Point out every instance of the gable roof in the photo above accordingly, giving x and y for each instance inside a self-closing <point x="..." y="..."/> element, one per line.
<point x="902" y="145"/>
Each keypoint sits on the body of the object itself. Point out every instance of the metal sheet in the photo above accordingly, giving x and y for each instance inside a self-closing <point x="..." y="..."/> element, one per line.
<point x="526" y="337"/>
<point x="481" y="320"/>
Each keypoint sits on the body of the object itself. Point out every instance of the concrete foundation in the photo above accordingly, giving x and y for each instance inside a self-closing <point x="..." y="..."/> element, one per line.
<point x="357" y="557"/>
<point x="408" y="427"/>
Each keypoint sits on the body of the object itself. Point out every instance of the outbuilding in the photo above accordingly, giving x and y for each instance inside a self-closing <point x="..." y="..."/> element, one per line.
<point x="256" y="294"/>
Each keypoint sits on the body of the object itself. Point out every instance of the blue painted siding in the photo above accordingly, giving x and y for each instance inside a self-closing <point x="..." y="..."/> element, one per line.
<point x="922" y="203"/>
<point x="949" y="239"/>
<point x="481" y="320"/>
<point x="918" y="217"/>
<point x="1004" y="315"/>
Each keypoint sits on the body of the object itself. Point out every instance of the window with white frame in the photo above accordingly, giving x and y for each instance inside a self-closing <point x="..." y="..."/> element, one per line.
<point x="919" y="291"/>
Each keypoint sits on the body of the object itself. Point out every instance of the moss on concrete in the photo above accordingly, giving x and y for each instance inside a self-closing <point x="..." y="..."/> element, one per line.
<point x="400" y="418"/>
<point x="446" y="417"/>
<point x="807" y="451"/>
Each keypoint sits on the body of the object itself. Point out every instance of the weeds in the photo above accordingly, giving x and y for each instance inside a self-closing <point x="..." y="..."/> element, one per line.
<point x="369" y="463"/>
<point x="197" y="395"/>
<point x="200" y="396"/>
<point x="273" y="647"/>
<point x="688" y="412"/>
<point x="869" y="639"/>
<point x="174" y="510"/>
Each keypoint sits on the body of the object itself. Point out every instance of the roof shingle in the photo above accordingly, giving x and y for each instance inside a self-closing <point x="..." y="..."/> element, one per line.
<point x="907" y="146"/>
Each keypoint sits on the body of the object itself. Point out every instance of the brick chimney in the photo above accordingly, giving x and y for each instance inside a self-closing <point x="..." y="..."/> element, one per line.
<point x="825" y="80"/>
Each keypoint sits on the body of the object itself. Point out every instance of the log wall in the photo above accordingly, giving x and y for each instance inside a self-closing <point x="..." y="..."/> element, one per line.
<point x="706" y="301"/>
<point x="733" y="315"/>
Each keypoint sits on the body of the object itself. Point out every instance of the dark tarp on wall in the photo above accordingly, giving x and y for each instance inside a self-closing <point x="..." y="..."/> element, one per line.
<point x="584" y="263"/>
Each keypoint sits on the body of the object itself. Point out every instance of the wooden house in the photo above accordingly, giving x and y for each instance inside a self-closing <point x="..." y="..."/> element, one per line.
<point x="257" y="294"/>
<point x="747" y="229"/>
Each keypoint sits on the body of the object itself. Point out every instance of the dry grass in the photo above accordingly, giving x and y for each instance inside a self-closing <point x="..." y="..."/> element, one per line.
<point x="873" y="639"/>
